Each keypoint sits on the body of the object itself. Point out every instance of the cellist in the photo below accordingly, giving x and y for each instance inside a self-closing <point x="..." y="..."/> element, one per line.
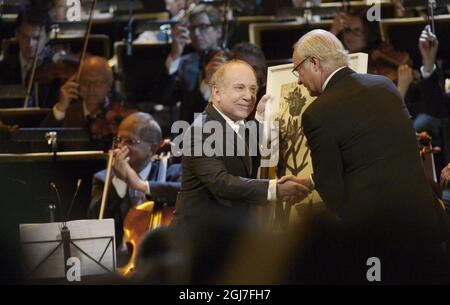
<point x="135" y="172"/>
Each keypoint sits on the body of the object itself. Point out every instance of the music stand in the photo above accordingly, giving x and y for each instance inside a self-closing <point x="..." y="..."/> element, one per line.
<point x="46" y="252"/>
<point x="48" y="140"/>
<point x="140" y="72"/>
<point x="12" y="96"/>
<point x="276" y="39"/>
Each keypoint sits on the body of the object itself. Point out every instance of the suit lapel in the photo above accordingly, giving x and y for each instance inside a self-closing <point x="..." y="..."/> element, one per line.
<point x="230" y="136"/>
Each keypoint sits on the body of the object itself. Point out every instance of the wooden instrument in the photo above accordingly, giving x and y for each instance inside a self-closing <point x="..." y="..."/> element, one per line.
<point x="146" y="216"/>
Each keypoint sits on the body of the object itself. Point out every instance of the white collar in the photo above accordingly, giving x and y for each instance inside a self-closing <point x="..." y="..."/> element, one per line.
<point x="325" y="83"/>
<point x="233" y="124"/>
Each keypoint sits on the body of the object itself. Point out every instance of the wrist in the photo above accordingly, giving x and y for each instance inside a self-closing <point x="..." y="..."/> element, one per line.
<point x="143" y="186"/>
<point x="62" y="105"/>
<point x="428" y="65"/>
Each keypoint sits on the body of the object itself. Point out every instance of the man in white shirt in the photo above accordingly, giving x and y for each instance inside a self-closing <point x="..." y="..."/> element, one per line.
<point x="217" y="187"/>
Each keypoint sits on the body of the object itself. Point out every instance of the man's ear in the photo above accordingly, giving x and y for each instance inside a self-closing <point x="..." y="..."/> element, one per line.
<point x="215" y="93"/>
<point x="219" y="32"/>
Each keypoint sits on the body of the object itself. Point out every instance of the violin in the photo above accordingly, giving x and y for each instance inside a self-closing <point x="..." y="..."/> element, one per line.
<point x="61" y="66"/>
<point x="107" y="124"/>
<point x="384" y="60"/>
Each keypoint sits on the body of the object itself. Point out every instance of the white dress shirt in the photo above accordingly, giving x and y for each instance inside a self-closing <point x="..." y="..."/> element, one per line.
<point x="235" y="125"/>
<point x="121" y="186"/>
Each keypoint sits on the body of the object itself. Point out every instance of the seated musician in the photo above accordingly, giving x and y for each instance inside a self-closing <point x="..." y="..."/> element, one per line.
<point x="135" y="174"/>
<point x="86" y="104"/>
<point x="181" y="78"/>
<point x="423" y="97"/>
<point x="31" y="29"/>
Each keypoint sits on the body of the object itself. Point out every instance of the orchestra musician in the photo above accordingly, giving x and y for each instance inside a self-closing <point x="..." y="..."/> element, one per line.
<point x="135" y="172"/>
<point x="31" y="30"/>
<point x="87" y="105"/>
<point x="182" y="78"/>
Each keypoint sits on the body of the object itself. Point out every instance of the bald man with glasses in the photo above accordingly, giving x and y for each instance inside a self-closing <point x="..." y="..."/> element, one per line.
<point x="135" y="172"/>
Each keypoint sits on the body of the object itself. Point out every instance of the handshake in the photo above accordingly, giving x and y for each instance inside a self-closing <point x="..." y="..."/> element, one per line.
<point x="292" y="189"/>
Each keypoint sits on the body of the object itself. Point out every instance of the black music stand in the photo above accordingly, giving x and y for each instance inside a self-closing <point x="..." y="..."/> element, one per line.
<point x="12" y="96"/>
<point x="48" y="140"/>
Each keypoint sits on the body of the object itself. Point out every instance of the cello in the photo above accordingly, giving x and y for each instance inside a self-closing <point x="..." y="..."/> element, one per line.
<point x="146" y="216"/>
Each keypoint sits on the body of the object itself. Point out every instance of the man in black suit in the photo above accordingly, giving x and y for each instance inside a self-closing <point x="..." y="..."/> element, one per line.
<point x="366" y="163"/>
<point x="136" y="176"/>
<point x="31" y="31"/>
<point x="216" y="186"/>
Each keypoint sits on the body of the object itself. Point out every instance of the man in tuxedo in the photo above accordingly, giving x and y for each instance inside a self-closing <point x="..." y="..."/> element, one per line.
<point x="365" y="156"/>
<point x="135" y="175"/>
<point x="216" y="187"/>
<point x="31" y="30"/>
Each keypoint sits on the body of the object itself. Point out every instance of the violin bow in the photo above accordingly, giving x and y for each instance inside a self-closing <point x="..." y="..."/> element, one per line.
<point x="33" y="69"/>
<point x="107" y="179"/>
<point x="431" y="7"/>
<point x="226" y="9"/>
<point x="86" y="38"/>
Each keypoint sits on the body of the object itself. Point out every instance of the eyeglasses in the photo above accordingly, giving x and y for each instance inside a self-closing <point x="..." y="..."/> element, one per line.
<point x="95" y="83"/>
<point x="295" y="70"/>
<point x="200" y="27"/>
<point x="126" y="141"/>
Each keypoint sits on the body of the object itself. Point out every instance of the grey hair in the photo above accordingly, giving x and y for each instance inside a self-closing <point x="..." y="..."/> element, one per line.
<point x="325" y="46"/>
<point x="149" y="131"/>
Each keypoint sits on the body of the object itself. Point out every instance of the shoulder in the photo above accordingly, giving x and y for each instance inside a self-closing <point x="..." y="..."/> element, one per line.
<point x="100" y="176"/>
<point x="189" y="60"/>
<point x="373" y="81"/>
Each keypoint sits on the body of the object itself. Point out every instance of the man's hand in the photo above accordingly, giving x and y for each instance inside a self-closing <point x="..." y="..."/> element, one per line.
<point x="292" y="189"/>
<point x="180" y="37"/>
<point x="67" y="93"/>
<point x="405" y="78"/>
<point x="445" y="176"/>
<point x="213" y="65"/>
<point x="339" y="23"/>
<point x="428" y="46"/>
<point x="125" y="172"/>
<point x="261" y="107"/>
